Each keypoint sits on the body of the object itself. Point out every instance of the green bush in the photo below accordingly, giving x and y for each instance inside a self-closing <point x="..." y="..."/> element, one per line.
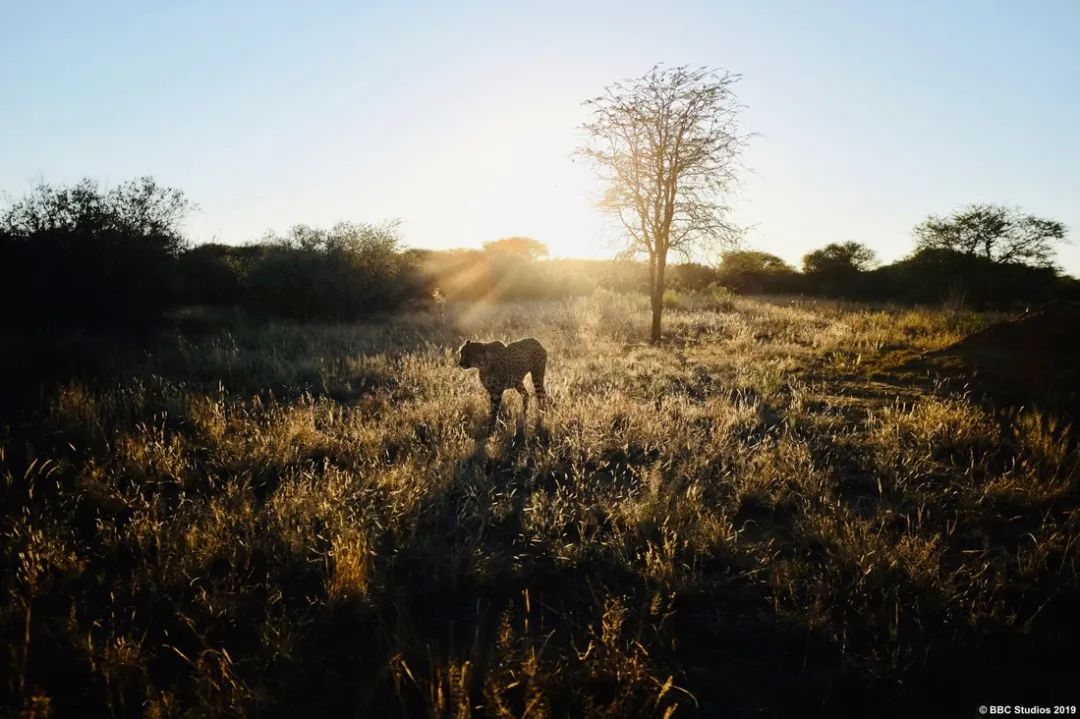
<point x="714" y="298"/>
<point x="344" y="273"/>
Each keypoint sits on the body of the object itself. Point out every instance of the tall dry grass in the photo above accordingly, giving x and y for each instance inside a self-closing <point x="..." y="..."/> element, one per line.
<point x="301" y="520"/>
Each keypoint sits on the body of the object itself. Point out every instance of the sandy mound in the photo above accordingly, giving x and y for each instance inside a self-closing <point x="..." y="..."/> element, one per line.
<point x="1032" y="360"/>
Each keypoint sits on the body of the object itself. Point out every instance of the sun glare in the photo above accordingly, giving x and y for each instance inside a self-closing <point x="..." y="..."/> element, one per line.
<point x="513" y="175"/>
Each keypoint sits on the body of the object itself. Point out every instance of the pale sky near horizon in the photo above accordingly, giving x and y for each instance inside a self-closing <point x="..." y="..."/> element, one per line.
<point x="461" y="119"/>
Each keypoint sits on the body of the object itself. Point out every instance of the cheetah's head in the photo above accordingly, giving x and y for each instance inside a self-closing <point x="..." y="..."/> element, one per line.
<point x="472" y="354"/>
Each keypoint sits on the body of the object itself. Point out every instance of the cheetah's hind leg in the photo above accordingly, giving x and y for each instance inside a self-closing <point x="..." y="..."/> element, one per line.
<point x="496" y="403"/>
<point x="524" y="401"/>
<point x="538" y="388"/>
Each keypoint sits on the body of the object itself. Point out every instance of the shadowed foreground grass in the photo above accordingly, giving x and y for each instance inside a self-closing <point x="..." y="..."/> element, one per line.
<point x="294" y="520"/>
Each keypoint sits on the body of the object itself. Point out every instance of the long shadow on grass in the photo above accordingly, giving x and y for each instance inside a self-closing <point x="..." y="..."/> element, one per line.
<point x="519" y="618"/>
<point x="952" y="653"/>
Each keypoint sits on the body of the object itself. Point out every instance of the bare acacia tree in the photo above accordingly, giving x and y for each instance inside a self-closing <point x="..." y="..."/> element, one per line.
<point x="667" y="145"/>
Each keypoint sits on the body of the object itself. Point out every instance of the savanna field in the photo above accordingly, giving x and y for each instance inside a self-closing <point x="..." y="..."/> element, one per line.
<point x="766" y="515"/>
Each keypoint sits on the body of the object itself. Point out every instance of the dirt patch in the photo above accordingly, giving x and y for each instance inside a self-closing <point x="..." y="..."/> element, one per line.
<point x="1033" y="359"/>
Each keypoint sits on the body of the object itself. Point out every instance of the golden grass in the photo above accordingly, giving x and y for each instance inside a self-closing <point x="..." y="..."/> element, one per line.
<point x="301" y="520"/>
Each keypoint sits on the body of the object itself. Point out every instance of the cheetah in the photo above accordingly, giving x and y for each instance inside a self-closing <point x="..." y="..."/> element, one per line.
<point x="504" y="367"/>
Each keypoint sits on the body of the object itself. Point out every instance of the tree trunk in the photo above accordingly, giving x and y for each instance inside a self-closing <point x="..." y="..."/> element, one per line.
<point x="657" y="311"/>
<point x="657" y="296"/>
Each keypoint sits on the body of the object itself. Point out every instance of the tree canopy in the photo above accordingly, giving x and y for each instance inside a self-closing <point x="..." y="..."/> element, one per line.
<point x="752" y="261"/>
<point x="753" y="271"/>
<point x="136" y="208"/>
<point x="994" y="232"/>
<point x="839" y="257"/>
<point x="524" y="248"/>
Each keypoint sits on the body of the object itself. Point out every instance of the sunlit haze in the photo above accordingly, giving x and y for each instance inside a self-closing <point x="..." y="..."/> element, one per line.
<point x="461" y="119"/>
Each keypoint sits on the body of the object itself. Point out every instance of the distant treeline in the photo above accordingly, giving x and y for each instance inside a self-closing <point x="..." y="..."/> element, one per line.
<point x="85" y="256"/>
<point x="926" y="276"/>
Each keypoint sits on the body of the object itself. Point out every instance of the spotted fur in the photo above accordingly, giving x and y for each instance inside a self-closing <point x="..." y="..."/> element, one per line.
<point x="504" y="367"/>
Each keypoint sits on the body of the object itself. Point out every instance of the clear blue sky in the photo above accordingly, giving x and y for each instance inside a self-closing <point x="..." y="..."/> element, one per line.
<point x="460" y="118"/>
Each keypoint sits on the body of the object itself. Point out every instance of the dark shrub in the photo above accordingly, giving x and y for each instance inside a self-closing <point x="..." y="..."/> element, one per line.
<point x="85" y="256"/>
<point x="838" y="269"/>
<point x="215" y="274"/>
<point x="934" y="275"/>
<point x="752" y="272"/>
